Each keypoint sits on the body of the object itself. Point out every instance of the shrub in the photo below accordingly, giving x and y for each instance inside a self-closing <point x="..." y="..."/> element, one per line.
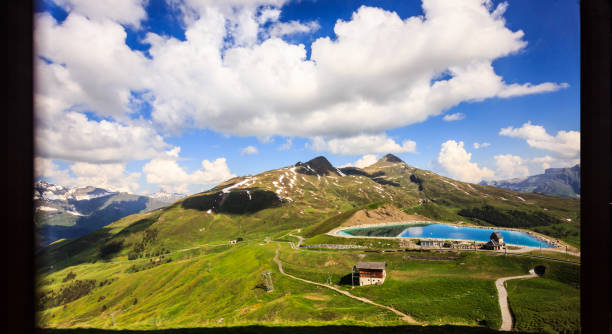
<point x="110" y="248"/>
<point x="67" y="294"/>
<point x="133" y="255"/>
<point x="69" y="277"/>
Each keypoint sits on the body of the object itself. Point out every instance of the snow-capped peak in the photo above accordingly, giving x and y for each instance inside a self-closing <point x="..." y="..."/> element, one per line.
<point x="166" y="197"/>
<point x="50" y="192"/>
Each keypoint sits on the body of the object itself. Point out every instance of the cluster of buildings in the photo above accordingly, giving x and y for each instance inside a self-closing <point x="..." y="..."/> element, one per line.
<point x="374" y="273"/>
<point x="496" y="242"/>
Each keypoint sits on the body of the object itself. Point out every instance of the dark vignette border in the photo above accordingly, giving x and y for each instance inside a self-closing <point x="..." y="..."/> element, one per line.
<point x="595" y="160"/>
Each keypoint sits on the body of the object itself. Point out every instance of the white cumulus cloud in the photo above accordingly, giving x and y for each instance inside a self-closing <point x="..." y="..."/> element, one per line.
<point x="456" y="162"/>
<point x="547" y="161"/>
<point x="250" y="150"/>
<point x="169" y="175"/>
<point x="92" y="68"/>
<point x="287" y="145"/>
<point x="565" y="143"/>
<point x="481" y="145"/>
<point x="454" y="117"/>
<point x="362" y="144"/>
<point x="364" y="161"/>
<point x="293" y="27"/>
<point x="112" y="177"/>
<point x="364" y="81"/>
<point x="123" y="11"/>
<point x="71" y="136"/>
<point x="510" y="166"/>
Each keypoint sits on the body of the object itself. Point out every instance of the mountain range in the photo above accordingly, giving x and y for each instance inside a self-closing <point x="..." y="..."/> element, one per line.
<point x="64" y="212"/>
<point x="304" y="195"/>
<point x="555" y="181"/>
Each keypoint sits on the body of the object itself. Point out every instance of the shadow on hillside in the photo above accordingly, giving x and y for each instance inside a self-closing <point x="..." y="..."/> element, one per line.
<point x="94" y="246"/>
<point x="94" y="218"/>
<point x="346" y="280"/>
<point x="236" y="202"/>
<point x="291" y="330"/>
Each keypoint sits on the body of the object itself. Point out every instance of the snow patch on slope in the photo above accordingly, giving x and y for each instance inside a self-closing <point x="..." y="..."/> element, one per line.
<point x="241" y="183"/>
<point x="47" y="208"/>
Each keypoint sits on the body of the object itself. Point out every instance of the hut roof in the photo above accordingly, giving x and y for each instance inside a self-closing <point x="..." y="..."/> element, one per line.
<point x="371" y="265"/>
<point x="496" y="235"/>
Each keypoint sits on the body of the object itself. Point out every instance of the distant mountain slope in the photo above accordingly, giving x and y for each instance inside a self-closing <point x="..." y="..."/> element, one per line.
<point x="555" y="181"/>
<point x="305" y="194"/>
<point x="62" y="212"/>
<point x="166" y="197"/>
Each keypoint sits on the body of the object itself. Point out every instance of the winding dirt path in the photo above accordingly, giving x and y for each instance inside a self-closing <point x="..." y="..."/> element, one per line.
<point x="403" y="316"/>
<point x="503" y="299"/>
<point x="300" y="240"/>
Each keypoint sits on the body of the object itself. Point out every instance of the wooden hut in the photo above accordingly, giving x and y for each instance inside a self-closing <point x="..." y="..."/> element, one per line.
<point x="371" y="272"/>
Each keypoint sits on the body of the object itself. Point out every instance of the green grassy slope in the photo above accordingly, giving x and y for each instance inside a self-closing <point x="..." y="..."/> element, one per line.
<point x="337" y="220"/>
<point x="544" y="306"/>
<point x="222" y="287"/>
<point x="438" y="288"/>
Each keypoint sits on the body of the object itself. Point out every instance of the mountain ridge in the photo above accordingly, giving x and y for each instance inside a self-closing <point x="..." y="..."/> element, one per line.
<point x="285" y="199"/>
<point x="563" y="182"/>
<point x="69" y="212"/>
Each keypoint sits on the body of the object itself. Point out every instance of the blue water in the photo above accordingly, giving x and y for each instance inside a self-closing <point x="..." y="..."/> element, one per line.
<point x="444" y="231"/>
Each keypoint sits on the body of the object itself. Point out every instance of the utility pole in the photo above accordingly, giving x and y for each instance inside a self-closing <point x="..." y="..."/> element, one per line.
<point x="353" y="277"/>
<point x="540" y="248"/>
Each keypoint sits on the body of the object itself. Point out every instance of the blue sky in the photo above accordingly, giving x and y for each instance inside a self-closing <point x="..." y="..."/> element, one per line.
<point x="178" y="95"/>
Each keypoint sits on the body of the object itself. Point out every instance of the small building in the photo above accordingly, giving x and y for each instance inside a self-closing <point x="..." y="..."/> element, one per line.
<point x="233" y="242"/>
<point x="371" y="273"/>
<point x="431" y="243"/>
<point x="462" y="245"/>
<point x="496" y="242"/>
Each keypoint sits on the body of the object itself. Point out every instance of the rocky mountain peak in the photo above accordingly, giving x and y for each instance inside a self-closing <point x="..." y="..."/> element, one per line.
<point x="391" y="158"/>
<point x="317" y="166"/>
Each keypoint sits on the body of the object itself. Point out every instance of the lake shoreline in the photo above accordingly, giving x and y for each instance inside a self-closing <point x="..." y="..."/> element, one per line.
<point x="554" y="244"/>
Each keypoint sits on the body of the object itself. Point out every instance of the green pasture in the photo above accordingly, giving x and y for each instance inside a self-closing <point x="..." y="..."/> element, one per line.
<point x="544" y="306"/>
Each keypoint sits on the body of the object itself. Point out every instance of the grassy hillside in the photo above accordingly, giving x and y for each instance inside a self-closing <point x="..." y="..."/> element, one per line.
<point x="173" y="267"/>
<point x="222" y="286"/>
<point x="544" y="306"/>
<point x="207" y="287"/>
<point x="337" y="220"/>
<point x="433" y="287"/>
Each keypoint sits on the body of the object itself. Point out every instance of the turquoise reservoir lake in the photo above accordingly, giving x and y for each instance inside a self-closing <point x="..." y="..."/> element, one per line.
<point x="444" y="231"/>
